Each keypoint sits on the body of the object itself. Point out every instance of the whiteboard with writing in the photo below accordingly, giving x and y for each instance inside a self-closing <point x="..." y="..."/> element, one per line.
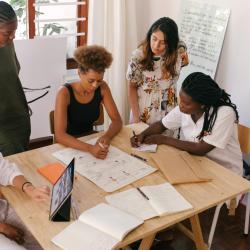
<point x="202" y="27"/>
<point x="43" y="66"/>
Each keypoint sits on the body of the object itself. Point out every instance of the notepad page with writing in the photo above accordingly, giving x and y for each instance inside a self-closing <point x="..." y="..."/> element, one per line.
<point x="133" y="202"/>
<point x="165" y="199"/>
<point x="152" y="148"/>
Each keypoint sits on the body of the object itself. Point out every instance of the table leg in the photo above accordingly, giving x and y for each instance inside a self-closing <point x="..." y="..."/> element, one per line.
<point x="147" y="242"/>
<point x="196" y="228"/>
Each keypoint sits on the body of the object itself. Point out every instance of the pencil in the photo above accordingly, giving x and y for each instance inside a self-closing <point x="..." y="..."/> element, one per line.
<point x="138" y="157"/>
<point x="134" y="134"/>
<point x="145" y="196"/>
<point x="101" y="145"/>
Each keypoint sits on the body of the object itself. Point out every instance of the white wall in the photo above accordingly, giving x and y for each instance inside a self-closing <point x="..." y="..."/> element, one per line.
<point x="232" y="72"/>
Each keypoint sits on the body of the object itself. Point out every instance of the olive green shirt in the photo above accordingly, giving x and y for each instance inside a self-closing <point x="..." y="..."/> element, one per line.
<point x="14" y="112"/>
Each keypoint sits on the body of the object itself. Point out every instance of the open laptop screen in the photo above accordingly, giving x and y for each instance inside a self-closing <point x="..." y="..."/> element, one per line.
<point x="62" y="189"/>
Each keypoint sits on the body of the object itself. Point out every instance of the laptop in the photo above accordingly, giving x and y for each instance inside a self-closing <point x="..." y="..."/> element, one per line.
<point x="61" y="195"/>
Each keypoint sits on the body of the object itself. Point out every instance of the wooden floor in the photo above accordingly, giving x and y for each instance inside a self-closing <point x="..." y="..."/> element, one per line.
<point x="228" y="234"/>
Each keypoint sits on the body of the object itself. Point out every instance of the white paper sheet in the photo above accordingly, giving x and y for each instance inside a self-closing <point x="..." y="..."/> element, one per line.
<point x="117" y="170"/>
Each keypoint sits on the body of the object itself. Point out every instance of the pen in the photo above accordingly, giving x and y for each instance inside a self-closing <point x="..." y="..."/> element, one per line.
<point x="101" y="145"/>
<point x="134" y="134"/>
<point x="145" y="196"/>
<point x="138" y="157"/>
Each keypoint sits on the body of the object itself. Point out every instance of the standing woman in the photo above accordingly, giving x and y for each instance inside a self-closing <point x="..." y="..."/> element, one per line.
<point x="153" y="72"/>
<point x="14" y="112"/>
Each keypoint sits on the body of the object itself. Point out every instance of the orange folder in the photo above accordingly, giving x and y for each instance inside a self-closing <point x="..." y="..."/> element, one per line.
<point x="51" y="171"/>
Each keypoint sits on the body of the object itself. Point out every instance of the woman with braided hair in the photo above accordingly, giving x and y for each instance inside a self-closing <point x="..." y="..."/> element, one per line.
<point x="14" y="112"/>
<point x="208" y="122"/>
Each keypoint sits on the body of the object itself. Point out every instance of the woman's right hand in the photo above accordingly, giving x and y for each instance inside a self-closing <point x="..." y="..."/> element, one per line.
<point x="98" y="151"/>
<point x="136" y="140"/>
<point x="12" y="233"/>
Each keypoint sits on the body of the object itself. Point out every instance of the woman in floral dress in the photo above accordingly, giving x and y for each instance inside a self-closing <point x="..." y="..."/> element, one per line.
<point x="153" y="72"/>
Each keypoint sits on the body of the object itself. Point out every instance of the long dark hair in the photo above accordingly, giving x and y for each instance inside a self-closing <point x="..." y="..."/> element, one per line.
<point x="170" y="30"/>
<point x="7" y="14"/>
<point x="205" y="91"/>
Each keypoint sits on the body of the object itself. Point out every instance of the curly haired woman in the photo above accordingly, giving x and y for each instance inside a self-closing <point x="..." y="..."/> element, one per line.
<point x="78" y="104"/>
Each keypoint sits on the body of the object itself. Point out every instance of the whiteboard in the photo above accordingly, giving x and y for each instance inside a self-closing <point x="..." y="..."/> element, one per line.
<point x="43" y="66"/>
<point x="202" y="27"/>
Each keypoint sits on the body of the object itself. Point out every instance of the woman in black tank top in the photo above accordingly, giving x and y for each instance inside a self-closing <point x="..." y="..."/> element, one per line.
<point x="78" y="103"/>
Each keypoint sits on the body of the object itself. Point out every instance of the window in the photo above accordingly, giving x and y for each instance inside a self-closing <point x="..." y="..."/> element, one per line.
<point x="53" y="18"/>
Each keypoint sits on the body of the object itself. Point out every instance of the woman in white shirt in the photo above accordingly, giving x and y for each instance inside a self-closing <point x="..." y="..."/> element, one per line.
<point x="207" y="120"/>
<point x="12" y="231"/>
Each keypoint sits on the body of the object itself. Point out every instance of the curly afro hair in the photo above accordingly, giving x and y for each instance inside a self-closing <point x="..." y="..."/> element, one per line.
<point x="93" y="57"/>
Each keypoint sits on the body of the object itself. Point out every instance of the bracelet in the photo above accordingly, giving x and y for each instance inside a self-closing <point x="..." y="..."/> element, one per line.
<point x="26" y="182"/>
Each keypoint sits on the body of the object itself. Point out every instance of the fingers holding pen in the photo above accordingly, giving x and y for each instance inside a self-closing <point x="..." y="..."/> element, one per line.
<point x="136" y="139"/>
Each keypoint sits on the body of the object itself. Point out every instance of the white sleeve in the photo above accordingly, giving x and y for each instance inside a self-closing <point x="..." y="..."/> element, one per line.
<point x="222" y="129"/>
<point x="8" y="171"/>
<point x="173" y="119"/>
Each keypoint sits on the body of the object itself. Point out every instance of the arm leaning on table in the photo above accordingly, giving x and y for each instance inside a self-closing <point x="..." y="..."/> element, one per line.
<point x="11" y="175"/>
<point x="116" y="122"/>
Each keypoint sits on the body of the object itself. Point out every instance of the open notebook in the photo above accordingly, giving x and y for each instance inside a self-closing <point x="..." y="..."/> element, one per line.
<point x="99" y="228"/>
<point x="158" y="200"/>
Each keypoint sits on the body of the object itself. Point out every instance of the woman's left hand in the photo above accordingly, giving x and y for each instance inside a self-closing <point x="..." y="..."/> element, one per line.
<point x="37" y="193"/>
<point x="154" y="139"/>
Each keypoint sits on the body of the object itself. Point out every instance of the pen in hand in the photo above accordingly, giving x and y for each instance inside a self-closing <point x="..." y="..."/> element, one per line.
<point x="136" y="139"/>
<point x="134" y="134"/>
<point x="101" y="145"/>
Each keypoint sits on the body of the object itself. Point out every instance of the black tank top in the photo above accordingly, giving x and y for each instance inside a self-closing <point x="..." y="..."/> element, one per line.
<point x="82" y="116"/>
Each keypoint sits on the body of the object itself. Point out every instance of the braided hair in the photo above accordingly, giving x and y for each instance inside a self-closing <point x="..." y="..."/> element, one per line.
<point x="7" y="14"/>
<point x="205" y="91"/>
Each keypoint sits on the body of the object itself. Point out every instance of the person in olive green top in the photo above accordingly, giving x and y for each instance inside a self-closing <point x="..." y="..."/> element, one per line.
<point x="14" y="112"/>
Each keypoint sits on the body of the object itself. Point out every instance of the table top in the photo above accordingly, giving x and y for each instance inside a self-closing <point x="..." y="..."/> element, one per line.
<point x="86" y="194"/>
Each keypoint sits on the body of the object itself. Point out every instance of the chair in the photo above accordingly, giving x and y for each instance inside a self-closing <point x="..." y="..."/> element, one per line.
<point x="244" y="139"/>
<point x="98" y="122"/>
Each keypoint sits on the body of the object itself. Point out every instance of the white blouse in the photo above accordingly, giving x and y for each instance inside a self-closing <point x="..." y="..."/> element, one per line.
<point x="8" y="171"/>
<point x="224" y="135"/>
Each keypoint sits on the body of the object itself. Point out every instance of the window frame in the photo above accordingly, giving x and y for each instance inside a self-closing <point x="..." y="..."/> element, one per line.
<point x="82" y="11"/>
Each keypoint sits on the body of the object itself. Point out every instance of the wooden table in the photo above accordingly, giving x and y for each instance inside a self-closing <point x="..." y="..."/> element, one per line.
<point x="202" y="196"/>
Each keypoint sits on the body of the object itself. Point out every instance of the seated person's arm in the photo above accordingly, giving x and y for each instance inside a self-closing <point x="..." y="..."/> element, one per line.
<point x="196" y="148"/>
<point x="116" y="122"/>
<point x="61" y="135"/>
<point x="153" y="135"/>
<point x="12" y="232"/>
<point x="154" y="129"/>
<point x="10" y="175"/>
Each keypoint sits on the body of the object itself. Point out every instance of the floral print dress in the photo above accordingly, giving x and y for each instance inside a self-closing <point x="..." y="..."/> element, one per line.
<point x="156" y="96"/>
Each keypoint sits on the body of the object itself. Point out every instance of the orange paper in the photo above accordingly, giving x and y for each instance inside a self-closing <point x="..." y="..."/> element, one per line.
<point x="51" y="171"/>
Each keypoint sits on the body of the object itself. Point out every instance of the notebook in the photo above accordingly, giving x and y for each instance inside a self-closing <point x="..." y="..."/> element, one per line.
<point x="150" y="201"/>
<point x="51" y="171"/>
<point x="151" y="148"/>
<point x="99" y="228"/>
<point x="189" y="169"/>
